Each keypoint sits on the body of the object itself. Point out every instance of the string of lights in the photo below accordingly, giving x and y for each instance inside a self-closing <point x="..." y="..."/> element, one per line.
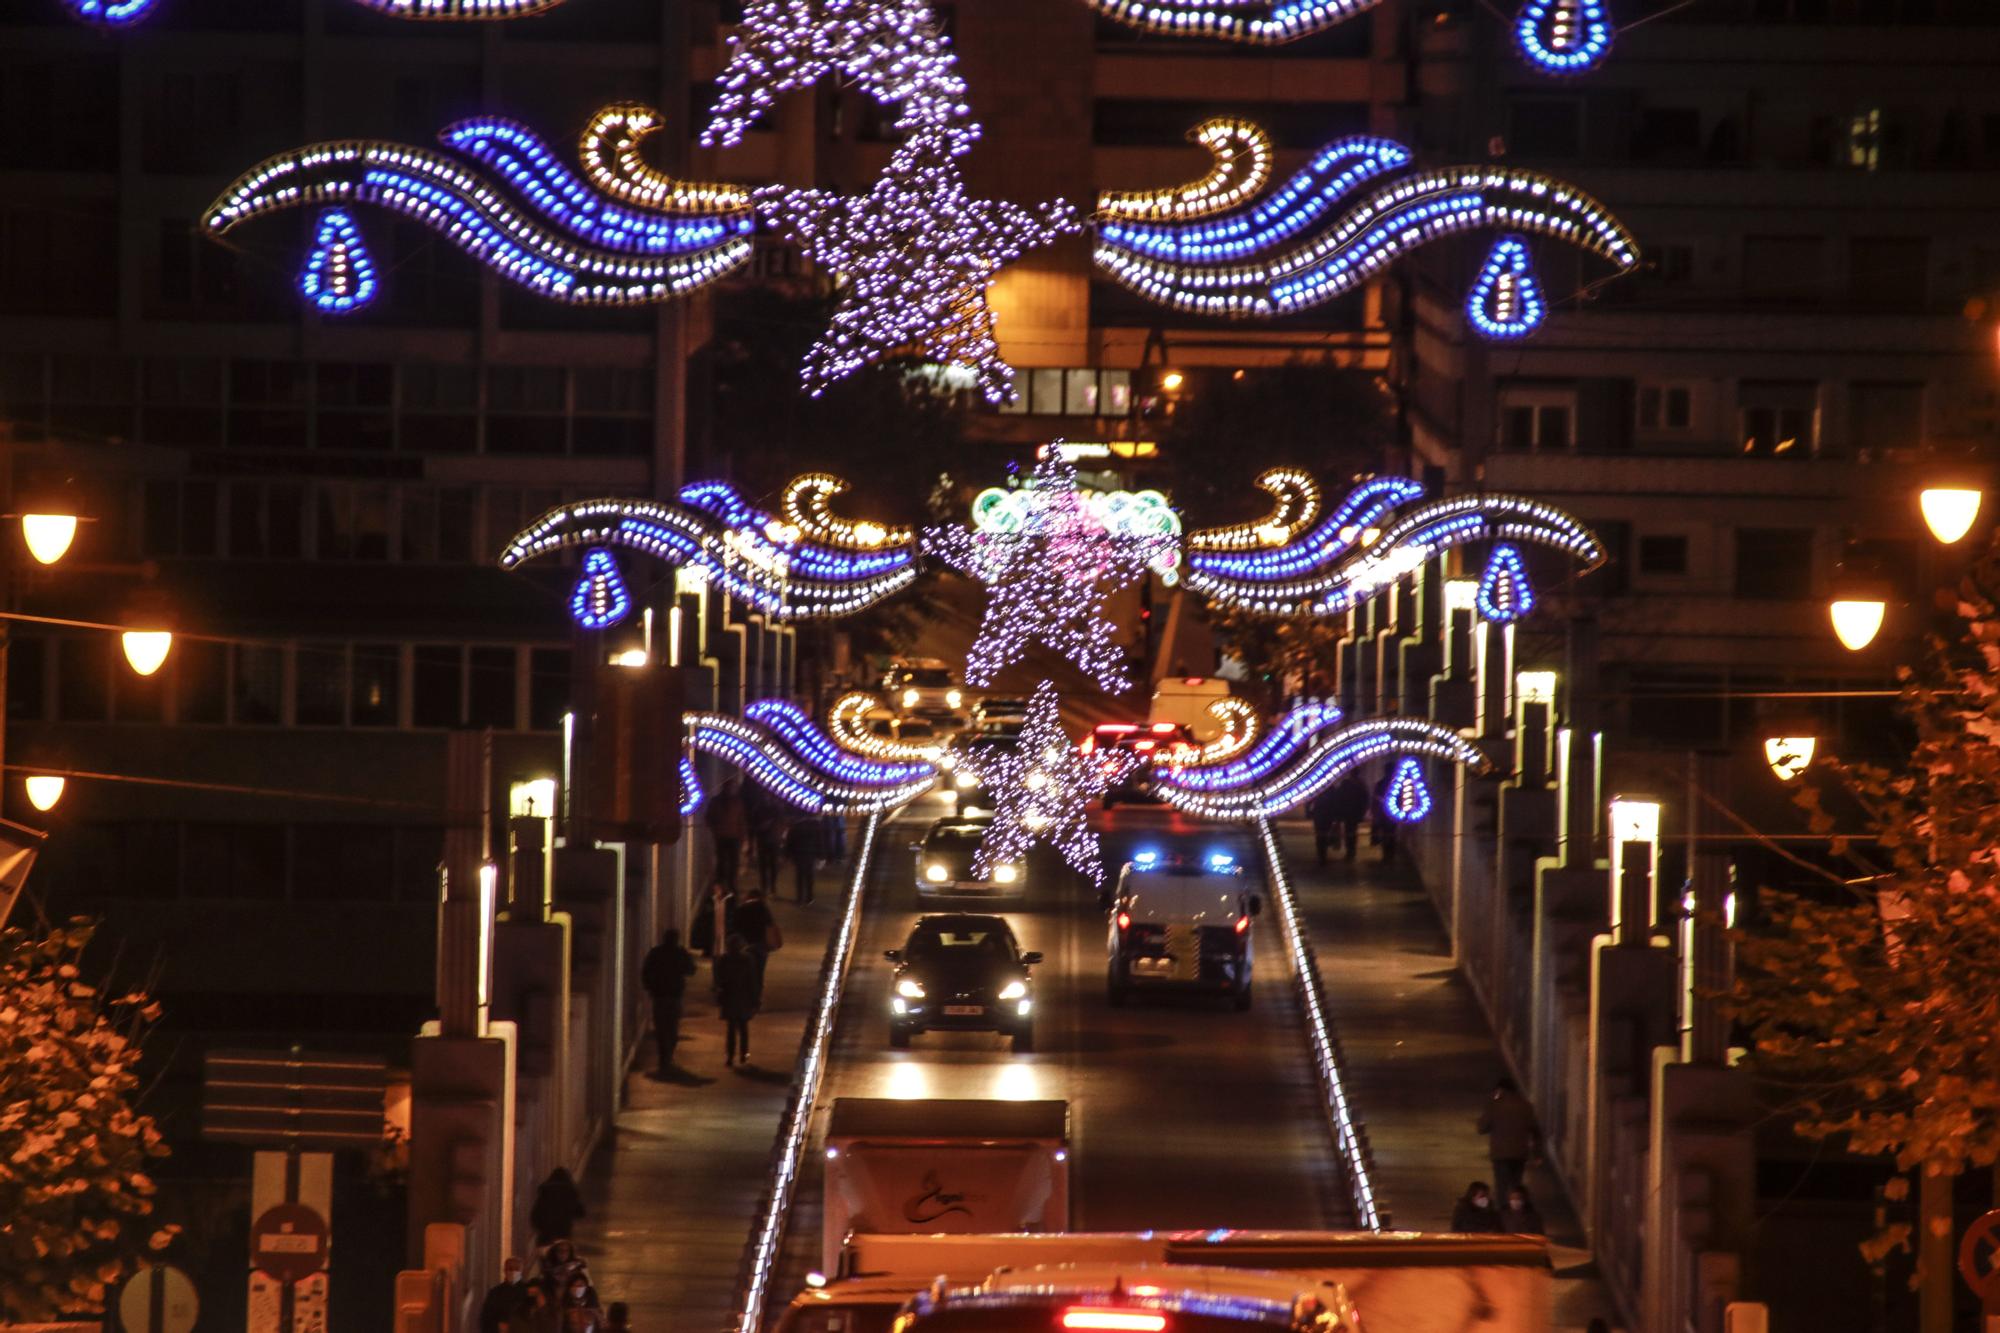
<point x="1407" y="798"/>
<point x="1296" y="503"/>
<point x="916" y="253"/>
<point x="460" y="11"/>
<point x="1563" y="36"/>
<point x="691" y="792"/>
<point x="109" y="13"/>
<point x="1254" y="22"/>
<point x="1240" y="728"/>
<point x="847" y="722"/>
<point x="1357" y="521"/>
<point x="599" y="599"/>
<point x="751" y="555"/>
<point x="612" y="152"/>
<point x="1043" y="788"/>
<point x="820" y="778"/>
<point x="1242" y="168"/>
<point x="1505" y="592"/>
<point x="790" y="723"/>
<point x="806" y="505"/>
<point x="1312" y="757"/>
<point x="1506" y="298"/>
<point x="339" y="274"/>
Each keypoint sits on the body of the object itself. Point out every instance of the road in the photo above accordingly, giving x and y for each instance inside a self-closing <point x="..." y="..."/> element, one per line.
<point x="1184" y="1113"/>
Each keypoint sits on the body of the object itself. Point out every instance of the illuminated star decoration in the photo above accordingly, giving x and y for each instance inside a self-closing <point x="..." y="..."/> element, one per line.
<point x="914" y="256"/>
<point x="893" y="50"/>
<point x="1042" y="789"/>
<point x="1046" y="580"/>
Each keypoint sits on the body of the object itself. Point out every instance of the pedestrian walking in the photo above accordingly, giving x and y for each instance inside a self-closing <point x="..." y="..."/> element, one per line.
<point x="1347" y="807"/>
<point x="1520" y="1216"/>
<point x="803" y="843"/>
<point x="759" y="928"/>
<point x="768" y="834"/>
<point x="1321" y="814"/>
<point x="664" y="976"/>
<point x="1508" y="1122"/>
<point x="557" y="1209"/>
<point x="1474" y="1213"/>
<point x="505" y="1308"/>
<point x="560" y="1262"/>
<point x="736" y="995"/>
<point x="618" y="1318"/>
<point x="711" y="920"/>
<point x="728" y="825"/>
<point x="580" y="1310"/>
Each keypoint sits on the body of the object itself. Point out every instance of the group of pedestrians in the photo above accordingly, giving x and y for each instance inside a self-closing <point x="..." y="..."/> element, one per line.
<point x="559" y="1296"/>
<point x="1337" y="813"/>
<point x="1512" y="1141"/>
<point x="739" y="939"/>
<point x="778" y="837"/>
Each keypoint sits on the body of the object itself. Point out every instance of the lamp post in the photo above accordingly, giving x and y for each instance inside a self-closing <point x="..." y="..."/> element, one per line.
<point x="1859" y="601"/>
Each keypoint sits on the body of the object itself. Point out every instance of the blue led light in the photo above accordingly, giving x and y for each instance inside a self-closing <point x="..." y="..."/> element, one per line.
<point x="1506" y="298"/>
<point x="1220" y="861"/>
<point x="691" y="792"/>
<point x="1145" y="860"/>
<point x="773" y="759"/>
<point x="339" y="274"/>
<point x="599" y="598"/>
<point x="1363" y="508"/>
<point x="1563" y="36"/>
<point x="1408" y="797"/>
<point x="1505" y="591"/>
<point x="109" y="13"/>
<point x="789" y="721"/>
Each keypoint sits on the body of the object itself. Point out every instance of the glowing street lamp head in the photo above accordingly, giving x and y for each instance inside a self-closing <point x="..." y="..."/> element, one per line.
<point x="1950" y="510"/>
<point x="48" y="535"/>
<point x="1789" y="756"/>
<point x="1857" y="620"/>
<point x="146" y="649"/>
<point x="1172" y="380"/>
<point x="44" y="790"/>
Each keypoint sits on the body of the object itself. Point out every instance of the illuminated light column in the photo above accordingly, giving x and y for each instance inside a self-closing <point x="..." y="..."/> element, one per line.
<point x="1534" y="726"/>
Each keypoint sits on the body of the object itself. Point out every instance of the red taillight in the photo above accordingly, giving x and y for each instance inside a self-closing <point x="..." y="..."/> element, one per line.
<point x="1089" y="745"/>
<point x="1114" y="1321"/>
<point x="1242" y="925"/>
<point x="1124" y="921"/>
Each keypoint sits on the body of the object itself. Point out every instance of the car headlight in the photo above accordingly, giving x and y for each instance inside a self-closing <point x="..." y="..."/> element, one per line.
<point x="910" y="990"/>
<point x="966" y="781"/>
<point x="953" y="698"/>
<point x="910" y="698"/>
<point x="1014" y="990"/>
<point x="936" y="873"/>
<point x="1006" y="874"/>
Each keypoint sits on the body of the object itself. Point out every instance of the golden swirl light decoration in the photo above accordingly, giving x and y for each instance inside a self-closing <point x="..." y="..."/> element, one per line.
<point x="1242" y="168"/>
<point x="613" y="161"/>
<point x="806" y="508"/>
<point x="1297" y="506"/>
<point x="847" y="723"/>
<point x="1240" y="726"/>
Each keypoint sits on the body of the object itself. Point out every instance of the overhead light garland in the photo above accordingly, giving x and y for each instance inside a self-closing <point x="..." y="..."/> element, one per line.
<point x="1240" y="727"/>
<point x="1506" y="298"/>
<point x="780" y="749"/>
<point x="109" y="13"/>
<point x="750" y="554"/>
<point x="892" y="50"/>
<point x="1043" y="788"/>
<point x="1047" y="576"/>
<point x="1292" y="250"/>
<point x="847" y="722"/>
<point x="1297" y="504"/>
<point x="612" y="151"/>
<point x="806" y="508"/>
<point x="533" y="222"/>
<point x="1242" y="168"/>
<point x="1407" y="798"/>
<point x="460" y="11"/>
<point x="1254" y="22"/>
<point x="914" y="255"/>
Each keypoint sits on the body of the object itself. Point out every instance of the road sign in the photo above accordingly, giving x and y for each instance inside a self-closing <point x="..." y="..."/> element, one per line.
<point x="293" y="1099"/>
<point x="158" y="1299"/>
<point x="1979" y="1261"/>
<point x="289" y="1242"/>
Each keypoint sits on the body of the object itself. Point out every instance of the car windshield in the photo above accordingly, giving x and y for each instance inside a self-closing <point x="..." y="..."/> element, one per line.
<point x="959" y="839"/>
<point x="929" y="678"/>
<point x="917" y="729"/>
<point x="952" y="941"/>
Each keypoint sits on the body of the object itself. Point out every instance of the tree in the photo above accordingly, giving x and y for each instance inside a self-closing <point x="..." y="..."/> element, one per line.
<point x="74" y="1188"/>
<point x="1878" y="1005"/>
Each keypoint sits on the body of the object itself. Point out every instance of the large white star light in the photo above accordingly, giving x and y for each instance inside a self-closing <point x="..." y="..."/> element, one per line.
<point x="1047" y="559"/>
<point x="1043" y="788"/>
<point x="893" y="50"/>
<point x="913" y="256"/>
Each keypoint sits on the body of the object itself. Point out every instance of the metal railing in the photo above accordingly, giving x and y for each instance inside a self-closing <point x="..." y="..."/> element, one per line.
<point x="767" y="1232"/>
<point x="1349" y="1136"/>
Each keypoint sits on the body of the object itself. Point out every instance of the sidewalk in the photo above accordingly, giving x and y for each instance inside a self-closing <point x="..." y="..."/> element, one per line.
<point x="1421" y="1059"/>
<point x="672" y="1192"/>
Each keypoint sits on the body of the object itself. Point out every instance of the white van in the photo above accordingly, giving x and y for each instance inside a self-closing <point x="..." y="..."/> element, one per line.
<point x="1185" y="700"/>
<point x="1183" y="926"/>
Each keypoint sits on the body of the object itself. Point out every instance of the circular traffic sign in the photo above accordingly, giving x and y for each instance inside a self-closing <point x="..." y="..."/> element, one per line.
<point x="289" y="1242"/>
<point x="1979" y="1257"/>
<point x="158" y="1299"/>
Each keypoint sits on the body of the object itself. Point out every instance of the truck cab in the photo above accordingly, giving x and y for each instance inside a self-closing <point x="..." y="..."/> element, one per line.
<point x="1181" y="925"/>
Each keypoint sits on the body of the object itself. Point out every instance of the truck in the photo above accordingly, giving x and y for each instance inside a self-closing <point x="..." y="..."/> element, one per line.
<point x="944" y="1166"/>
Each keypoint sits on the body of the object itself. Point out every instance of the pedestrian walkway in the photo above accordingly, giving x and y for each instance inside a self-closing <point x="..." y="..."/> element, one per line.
<point x="672" y="1193"/>
<point x="1421" y="1058"/>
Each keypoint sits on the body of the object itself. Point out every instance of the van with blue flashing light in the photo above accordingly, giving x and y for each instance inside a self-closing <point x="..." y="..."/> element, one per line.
<point x="1181" y="923"/>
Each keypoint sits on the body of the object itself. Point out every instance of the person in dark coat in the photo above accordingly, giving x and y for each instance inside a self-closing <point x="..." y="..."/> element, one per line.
<point x="557" y="1208"/>
<point x="505" y="1308"/>
<point x="759" y="929"/>
<point x="1381" y="825"/>
<point x="767" y="831"/>
<point x="1508" y="1122"/>
<point x="1347" y="807"/>
<point x="560" y="1262"/>
<point x="1520" y="1216"/>
<point x="580" y="1310"/>
<point x="617" y="1318"/>
<point x="736" y="995"/>
<point x="664" y="974"/>
<point x="728" y="825"/>
<point x="803" y="844"/>
<point x="1474" y="1213"/>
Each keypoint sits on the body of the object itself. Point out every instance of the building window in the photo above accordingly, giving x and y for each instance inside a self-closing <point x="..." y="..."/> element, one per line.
<point x="320" y="671"/>
<point x="375" y="685"/>
<point x="1886" y="416"/>
<point x="1782" y="270"/>
<point x="1537" y="418"/>
<point x="1888" y="272"/>
<point x="1071" y="391"/>
<point x="437" y="685"/>
<point x="1774" y="563"/>
<point x="257" y="685"/>
<point x="1663" y="553"/>
<point x="1666" y="407"/>
<point x="1779" y="419"/>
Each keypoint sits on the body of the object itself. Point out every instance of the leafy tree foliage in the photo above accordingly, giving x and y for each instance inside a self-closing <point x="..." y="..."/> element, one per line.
<point x="74" y="1188"/>
<point x="1878" y="1006"/>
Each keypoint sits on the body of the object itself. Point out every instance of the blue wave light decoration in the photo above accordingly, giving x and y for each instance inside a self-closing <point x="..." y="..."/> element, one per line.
<point x="783" y="752"/>
<point x="109" y="13"/>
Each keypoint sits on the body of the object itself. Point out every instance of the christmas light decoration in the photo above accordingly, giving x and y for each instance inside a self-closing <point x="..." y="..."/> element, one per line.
<point x="599" y="599"/>
<point x="1407" y="798"/>
<point x="1351" y="212"/>
<point x="1240" y="726"/>
<point x="1506" y="593"/>
<point x="1301" y="756"/>
<point x="750" y="554"/>
<point x="1506" y="298"/>
<point x="1354" y="553"/>
<point x="1042" y="789"/>
<point x="1563" y="36"/>
<point x="109" y="13"/>
<point x="847" y="723"/>
<point x="612" y="155"/>
<point x="538" y="225"/>
<point x="1136" y="514"/>
<point x="460" y="11"/>
<point x="1242" y="153"/>
<point x="1047" y="577"/>
<point x="1254" y="22"/>
<point x="780" y="749"/>
<point x="1297" y="503"/>
<point x="805" y="505"/>
<point x="892" y="50"/>
<point x="339" y="275"/>
<point x="691" y="792"/>
<point x="915" y="254"/>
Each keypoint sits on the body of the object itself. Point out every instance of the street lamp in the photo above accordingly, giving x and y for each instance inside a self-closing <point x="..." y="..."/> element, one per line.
<point x="1950" y="510"/>
<point x="1859" y="602"/>
<point x="48" y="535"/>
<point x="44" y="790"/>
<point x="148" y="635"/>
<point x="1789" y="756"/>
<point x="1635" y="860"/>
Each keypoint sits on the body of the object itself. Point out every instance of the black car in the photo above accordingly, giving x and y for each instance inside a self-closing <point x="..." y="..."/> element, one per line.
<point x="963" y="973"/>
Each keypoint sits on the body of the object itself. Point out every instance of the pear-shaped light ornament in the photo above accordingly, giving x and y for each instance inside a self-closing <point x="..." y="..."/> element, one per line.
<point x="1506" y="298"/>
<point x="1563" y="36"/>
<point x="1505" y="592"/>
<point x="339" y="276"/>
<point x="599" y="599"/>
<point x="108" y="13"/>
<point x="1408" y="797"/>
